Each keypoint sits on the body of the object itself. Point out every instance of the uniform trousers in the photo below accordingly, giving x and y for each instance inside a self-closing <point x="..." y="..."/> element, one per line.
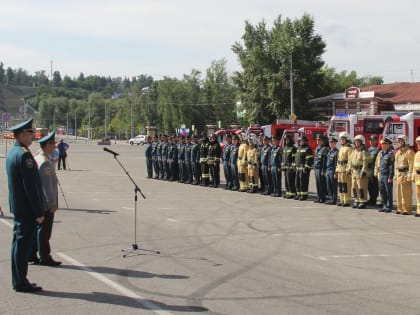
<point x="276" y="180"/>
<point x="149" y="167"/>
<point x="253" y="178"/>
<point x="386" y="192"/>
<point x="205" y="174"/>
<point x="243" y="176"/>
<point x="267" y="181"/>
<point x="228" y="174"/>
<point x="195" y="169"/>
<point x="302" y="183"/>
<point x="290" y="182"/>
<point x="404" y="194"/>
<point x="44" y="232"/>
<point x="235" y="176"/>
<point x="156" y="167"/>
<point x="214" y="169"/>
<point x="321" y="185"/>
<point x="417" y="181"/>
<point x="187" y="170"/>
<point x="344" y="187"/>
<point x="359" y="186"/>
<point x="373" y="189"/>
<point x="332" y="186"/>
<point x="24" y="233"/>
<point x="181" y="170"/>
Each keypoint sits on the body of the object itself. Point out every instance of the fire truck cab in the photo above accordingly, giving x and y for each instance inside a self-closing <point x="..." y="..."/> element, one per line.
<point x="356" y="124"/>
<point x="408" y="125"/>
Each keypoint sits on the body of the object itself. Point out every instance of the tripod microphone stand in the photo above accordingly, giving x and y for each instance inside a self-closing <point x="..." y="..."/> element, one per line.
<point x="130" y="251"/>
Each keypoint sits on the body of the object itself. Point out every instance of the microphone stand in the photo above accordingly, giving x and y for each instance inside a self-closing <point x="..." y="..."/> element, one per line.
<point x="130" y="251"/>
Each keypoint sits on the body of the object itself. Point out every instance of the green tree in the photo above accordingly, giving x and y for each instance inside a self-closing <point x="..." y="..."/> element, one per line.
<point x="268" y="57"/>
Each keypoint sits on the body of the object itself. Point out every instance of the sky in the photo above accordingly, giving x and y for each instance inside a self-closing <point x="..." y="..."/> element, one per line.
<point x="126" y="38"/>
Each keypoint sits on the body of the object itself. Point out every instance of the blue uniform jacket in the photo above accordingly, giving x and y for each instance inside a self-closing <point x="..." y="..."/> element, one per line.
<point x="26" y="199"/>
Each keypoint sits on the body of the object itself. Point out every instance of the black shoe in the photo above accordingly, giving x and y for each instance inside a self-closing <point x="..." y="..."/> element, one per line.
<point x="355" y="205"/>
<point x="345" y="205"/>
<point x="28" y="288"/>
<point x="284" y="196"/>
<point x="406" y="213"/>
<point x="361" y="206"/>
<point x="34" y="260"/>
<point x="382" y="210"/>
<point x="50" y="262"/>
<point x="388" y="211"/>
<point x="297" y="197"/>
<point x="317" y="201"/>
<point x="416" y="215"/>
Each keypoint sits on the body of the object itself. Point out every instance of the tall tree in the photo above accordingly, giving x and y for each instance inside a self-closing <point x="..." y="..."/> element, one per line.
<point x="269" y="58"/>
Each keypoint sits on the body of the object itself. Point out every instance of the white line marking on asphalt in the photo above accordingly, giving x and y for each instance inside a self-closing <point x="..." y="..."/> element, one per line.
<point x="10" y="225"/>
<point x="172" y="220"/>
<point x="366" y="256"/>
<point x="127" y="208"/>
<point x="113" y="285"/>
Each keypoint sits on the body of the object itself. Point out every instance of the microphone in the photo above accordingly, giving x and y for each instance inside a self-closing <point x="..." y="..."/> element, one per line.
<point x="112" y="152"/>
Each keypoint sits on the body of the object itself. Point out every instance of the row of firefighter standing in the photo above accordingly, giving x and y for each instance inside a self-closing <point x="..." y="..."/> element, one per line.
<point x="354" y="175"/>
<point x="249" y="164"/>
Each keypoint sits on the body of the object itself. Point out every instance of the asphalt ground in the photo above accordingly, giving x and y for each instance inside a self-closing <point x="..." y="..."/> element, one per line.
<point x="221" y="252"/>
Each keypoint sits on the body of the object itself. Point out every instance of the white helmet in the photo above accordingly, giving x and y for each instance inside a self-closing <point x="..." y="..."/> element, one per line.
<point x="360" y="138"/>
<point x="403" y="138"/>
<point x="344" y="135"/>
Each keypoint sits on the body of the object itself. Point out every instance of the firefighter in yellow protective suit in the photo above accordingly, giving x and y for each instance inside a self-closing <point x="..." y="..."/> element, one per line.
<point x="404" y="161"/>
<point x="343" y="179"/>
<point x="416" y="175"/>
<point x="243" y="165"/>
<point x="253" y="158"/>
<point x="360" y="166"/>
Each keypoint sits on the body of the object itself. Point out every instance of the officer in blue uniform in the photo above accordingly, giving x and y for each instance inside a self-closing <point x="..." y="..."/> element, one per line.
<point x="155" y="160"/>
<point x="195" y="160"/>
<point x="187" y="162"/>
<point x="373" y="180"/>
<point x="332" y="182"/>
<point x="27" y="204"/>
<point x="275" y="166"/>
<point x="384" y="170"/>
<point x="265" y="152"/>
<point x="226" y="162"/>
<point x="181" y="160"/>
<point x="233" y="161"/>
<point x="149" y="157"/>
<point x="320" y="165"/>
<point x="50" y="188"/>
<point x="164" y="158"/>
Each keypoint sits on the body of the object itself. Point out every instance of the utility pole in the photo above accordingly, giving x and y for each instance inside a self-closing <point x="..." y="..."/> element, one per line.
<point x="291" y="85"/>
<point x="412" y="75"/>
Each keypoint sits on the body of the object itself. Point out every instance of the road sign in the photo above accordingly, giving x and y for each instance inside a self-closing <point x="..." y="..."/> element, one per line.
<point x="6" y="116"/>
<point x="292" y="116"/>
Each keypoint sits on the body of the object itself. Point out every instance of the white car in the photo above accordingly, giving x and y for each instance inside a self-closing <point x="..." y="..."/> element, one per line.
<point x="140" y="139"/>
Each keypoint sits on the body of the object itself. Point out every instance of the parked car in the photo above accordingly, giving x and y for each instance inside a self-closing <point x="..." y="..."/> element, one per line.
<point x="140" y="139"/>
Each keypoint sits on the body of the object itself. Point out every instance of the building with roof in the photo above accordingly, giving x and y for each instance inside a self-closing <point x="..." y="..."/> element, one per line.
<point x="400" y="97"/>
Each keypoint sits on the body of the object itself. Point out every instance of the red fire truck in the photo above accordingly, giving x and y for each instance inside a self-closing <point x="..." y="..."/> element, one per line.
<point x="408" y="125"/>
<point x="281" y="125"/>
<point x="357" y="124"/>
<point x="310" y="132"/>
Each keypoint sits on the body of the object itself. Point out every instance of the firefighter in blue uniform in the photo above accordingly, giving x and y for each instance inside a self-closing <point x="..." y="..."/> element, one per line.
<point x="187" y="161"/>
<point x="265" y="152"/>
<point x="320" y="165"/>
<point x="332" y="182"/>
<point x="181" y="160"/>
<point x="384" y="171"/>
<point x="27" y="204"/>
<point x="226" y="162"/>
<point x="304" y="162"/>
<point x="195" y="160"/>
<point x="275" y="167"/>
<point x="373" y="184"/>
<point x="172" y="159"/>
<point x="233" y="161"/>
<point x="149" y="157"/>
<point x="155" y="160"/>
<point x="164" y="155"/>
